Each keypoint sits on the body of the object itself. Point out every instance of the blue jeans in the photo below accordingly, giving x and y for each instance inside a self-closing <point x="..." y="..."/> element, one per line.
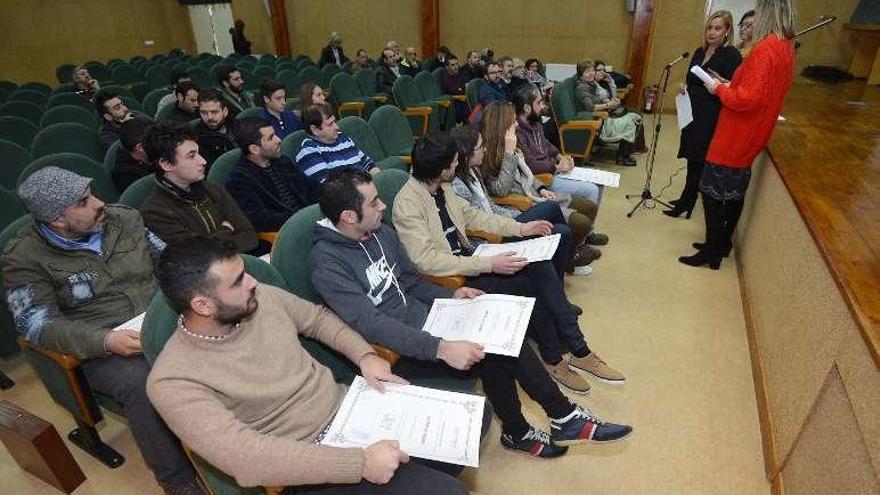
<point x="125" y="379"/>
<point x="586" y="190"/>
<point x="550" y="211"/>
<point x="554" y="322"/>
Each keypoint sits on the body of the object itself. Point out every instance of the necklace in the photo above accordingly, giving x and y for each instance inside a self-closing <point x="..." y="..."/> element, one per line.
<point x="212" y="338"/>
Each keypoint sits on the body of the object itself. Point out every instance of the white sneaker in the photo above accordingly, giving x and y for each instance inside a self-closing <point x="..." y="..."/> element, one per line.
<point x="582" y="270"/>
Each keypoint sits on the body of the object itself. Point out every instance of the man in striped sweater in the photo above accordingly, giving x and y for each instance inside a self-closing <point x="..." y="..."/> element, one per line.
<point x="326" y="148"/>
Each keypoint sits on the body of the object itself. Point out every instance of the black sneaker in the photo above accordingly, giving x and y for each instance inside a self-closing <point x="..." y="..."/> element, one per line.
<point x="536" y="443"/>
<point x="582" y="426"/>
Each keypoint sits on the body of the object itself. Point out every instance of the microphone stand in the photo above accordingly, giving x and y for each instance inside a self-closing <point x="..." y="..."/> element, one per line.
<point x="646" y="194"/>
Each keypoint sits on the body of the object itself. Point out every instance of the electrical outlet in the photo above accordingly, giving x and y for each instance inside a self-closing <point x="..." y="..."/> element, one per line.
<point x="149" y="42"/>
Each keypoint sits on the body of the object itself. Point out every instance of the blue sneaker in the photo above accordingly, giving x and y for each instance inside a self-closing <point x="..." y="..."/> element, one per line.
<point x="581" y="426"/>
<point x="536" y="443"/>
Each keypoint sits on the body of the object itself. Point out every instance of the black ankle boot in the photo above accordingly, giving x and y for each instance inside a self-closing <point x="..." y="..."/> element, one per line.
<point x="701" y="258"/>
<point x="700" y="246"/>
<point x="678" y="210"/>
<point x="624" y="154"/>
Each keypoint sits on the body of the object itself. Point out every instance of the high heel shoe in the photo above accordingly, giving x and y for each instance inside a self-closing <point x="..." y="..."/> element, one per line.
<point x="700" y="246"/>
<point x="675" y="202"/>
<point x="700" y="259"/>
<point x="678" y="210"/>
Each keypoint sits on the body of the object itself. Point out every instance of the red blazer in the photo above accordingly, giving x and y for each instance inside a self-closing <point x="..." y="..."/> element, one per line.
<point x="751" y="104"/>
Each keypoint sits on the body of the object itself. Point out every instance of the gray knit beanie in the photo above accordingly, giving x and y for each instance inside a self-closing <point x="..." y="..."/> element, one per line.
<point x="49" y="191"/>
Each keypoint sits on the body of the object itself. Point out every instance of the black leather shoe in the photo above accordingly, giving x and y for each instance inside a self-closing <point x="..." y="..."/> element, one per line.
<point x="678" y="210"/>
<point x="700" y="246"/>
<point x="700" y="259"/>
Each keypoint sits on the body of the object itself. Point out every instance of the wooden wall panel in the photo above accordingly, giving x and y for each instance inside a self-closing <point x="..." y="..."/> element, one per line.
<point x="367" y="25"/>
<point x="39" y="35"/>
<point x="258" y="24"/>
<point x="561" y="31"/>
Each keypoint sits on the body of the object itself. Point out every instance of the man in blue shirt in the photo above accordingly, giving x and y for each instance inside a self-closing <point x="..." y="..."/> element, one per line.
<point x="493" y="89"/>
<point x="274" y="102"/>
<point x="326" y="148"/>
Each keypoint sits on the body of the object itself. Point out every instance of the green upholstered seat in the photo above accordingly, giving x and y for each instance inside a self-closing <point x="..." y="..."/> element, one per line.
<point x="70" y="98"/>
<point x="18" y="130"/>
<point x="22" y="109"/>
<point x="223" y="165"/>
<point x="13" y="159"/>
<point x="70" y="113"/>
<point x="393" y="131"/>
<point x="67" y="138"/>
<point x="135" y="194"/>
<point x="150" y="102"/>
<point x="291" y="145"/>
<point x="101" y="185"/>
<point x="29" y="95"/>
<point x="347" y="95"/>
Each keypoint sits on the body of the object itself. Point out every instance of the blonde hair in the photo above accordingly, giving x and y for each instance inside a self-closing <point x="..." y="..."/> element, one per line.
<point x="583" y="65"/>
<point x="773" y="17"/>
<point x="725" y="17"/>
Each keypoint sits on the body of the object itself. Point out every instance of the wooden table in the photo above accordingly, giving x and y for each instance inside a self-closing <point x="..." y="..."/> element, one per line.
<point x="866" y="59"/>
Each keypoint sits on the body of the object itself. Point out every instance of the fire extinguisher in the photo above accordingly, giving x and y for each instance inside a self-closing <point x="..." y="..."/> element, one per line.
<point x="650" y="98"/>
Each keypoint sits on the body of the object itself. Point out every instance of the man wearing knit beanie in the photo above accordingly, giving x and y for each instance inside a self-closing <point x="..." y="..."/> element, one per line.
<point x="78" y="271"/>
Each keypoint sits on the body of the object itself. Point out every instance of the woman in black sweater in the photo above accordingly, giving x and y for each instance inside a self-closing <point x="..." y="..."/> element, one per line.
<point x="716" y="55"/>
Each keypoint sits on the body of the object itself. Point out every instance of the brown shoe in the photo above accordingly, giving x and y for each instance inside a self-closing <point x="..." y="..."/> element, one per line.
<point x="567" y="377"/>
<point x="593" y="364"/>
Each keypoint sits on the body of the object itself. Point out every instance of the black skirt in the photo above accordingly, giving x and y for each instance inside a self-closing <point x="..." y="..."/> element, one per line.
<point x="725" y="183"/>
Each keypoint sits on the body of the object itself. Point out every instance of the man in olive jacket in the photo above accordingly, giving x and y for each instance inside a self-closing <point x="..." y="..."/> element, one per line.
<point x="185" y="205"/>
<point x="72" y="276"/>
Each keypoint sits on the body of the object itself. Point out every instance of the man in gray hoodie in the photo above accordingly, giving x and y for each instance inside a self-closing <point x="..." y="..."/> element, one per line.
<point x="362" y="272"/>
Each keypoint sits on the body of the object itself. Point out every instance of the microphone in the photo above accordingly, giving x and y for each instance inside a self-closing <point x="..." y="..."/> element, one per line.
<point x="678" y="59"/>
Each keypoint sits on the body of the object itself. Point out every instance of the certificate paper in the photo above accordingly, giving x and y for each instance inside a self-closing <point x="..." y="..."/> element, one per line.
<point x="133" y="324"/>
<point x="683" y="110"/>
<point x="428" y="423"/>
<point x="703" y="75"/>
<point x="594" y="175"/>
<point x="537" y="249"/>
<point x="497" y="321"/>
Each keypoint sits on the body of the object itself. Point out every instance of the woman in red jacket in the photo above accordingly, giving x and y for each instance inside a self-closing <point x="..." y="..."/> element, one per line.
<point x="750" y="105"/>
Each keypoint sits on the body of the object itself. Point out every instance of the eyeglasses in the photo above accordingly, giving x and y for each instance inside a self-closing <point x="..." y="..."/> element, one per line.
<point x="746" y="25"/>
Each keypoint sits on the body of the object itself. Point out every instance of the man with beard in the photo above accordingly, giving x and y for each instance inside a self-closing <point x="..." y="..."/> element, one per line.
<point x="542" y="157"/>
<point x="267" y="185"/>
<point x="79" y="270"/>
<point x="453" y="81"/>
<point x="186" y="105"/>
<point x="113" y="112"/>
<point x="326" y="148"/>
<point x="257" y="401"/>
<point x="232" y="85"/>
<point x="183" y="204"/>
<point x="216" y="131"/>
<point x="388" y="72"/>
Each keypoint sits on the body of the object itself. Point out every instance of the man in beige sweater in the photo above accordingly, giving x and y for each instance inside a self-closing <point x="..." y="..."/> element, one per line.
<point x="234" y="383"/>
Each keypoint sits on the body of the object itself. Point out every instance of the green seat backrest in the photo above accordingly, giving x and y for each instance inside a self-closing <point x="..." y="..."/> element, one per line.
<point x="29" y="95"/>
<point x="291" y="145"/>
<point x="135" y="194"/>
<point x="290" y="79"/>
<point x="132" y="103"/>
<point x="223" y="165"/>
<point x="18" y="130"/>
<point x="151" y="100"/>
<point x="427" y="85"/>
<point x="64" y="72"/>
<point x="67" y="138"/>
<point x="166" y="110"/>
<point x="13" y="159"/>
<point x="69" y="98"/>
<point x="8" y="332"/>
<point x="392" y="130"/>
<point x="125" y="74"/>
<point x="438" y="76"/>
<point x="310" y="74"/>
<point x="119" y="90"/>
<point x="22" y="109"/>
<point x="159" y="76"/>
<point x="102" y="186"/>
<point x="37" y="86"/>
<point x="250" y="112"/>
<point x="291" y="248"/>
<point x="360" y="132"/>
<point x="72" y="114"/>
<point x="140" y="90"/>
<point x="563" y="102"/>
<point x="67" y="87"/>
<point x="327" y="73"/>
<point x="160" y="321"/>
<point x="201" y="77"/>
<point x="472" y="90"/>
<point x="110" y="157"/>
<point x="407" y="94"/>
<point x="367" y="82"/>
<point x="389" y="183"/>
<point x="344" y="88"/>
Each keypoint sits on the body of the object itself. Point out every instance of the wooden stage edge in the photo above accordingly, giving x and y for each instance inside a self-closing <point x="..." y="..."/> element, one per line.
<point x="827" y="152"/>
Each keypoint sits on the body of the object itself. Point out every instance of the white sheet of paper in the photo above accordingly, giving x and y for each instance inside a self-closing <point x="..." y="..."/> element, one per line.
<point x="428" y="423"/>
<point x="683" y="110"/>
<point x="267" y="257"/>
<point x="594" y="175"/>
<point x="703" y="75"/>
<point x="133" y="324"/>
<point x="497" y="321"/>
<point x="537" y="249"/>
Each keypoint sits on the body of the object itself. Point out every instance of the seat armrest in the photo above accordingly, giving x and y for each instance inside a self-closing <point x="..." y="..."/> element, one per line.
<point x="357" y="106"/>
<point x="600" y="115"/>
<point x="424" y="112"/>
<point x="379" y="98"/>
<point x="451" y="282"/>
<point x="269" y="237"/>
<point x="386" y="354"/>
<point x="66" y="361"/>
<point x="546" y="178"/>
<point x="462" y="98"/>
<point x="521" y="203"/>
<point x="486" y="236"/>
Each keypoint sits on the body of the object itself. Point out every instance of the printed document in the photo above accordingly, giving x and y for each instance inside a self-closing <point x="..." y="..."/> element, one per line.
<point x="428" y="423"/>
<point x="683" y="110"/>
<point x="594" y="175"/>
<point x="537" y="249"/>
<point x="497" y="321"/>
<point x="133" y="324"/>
